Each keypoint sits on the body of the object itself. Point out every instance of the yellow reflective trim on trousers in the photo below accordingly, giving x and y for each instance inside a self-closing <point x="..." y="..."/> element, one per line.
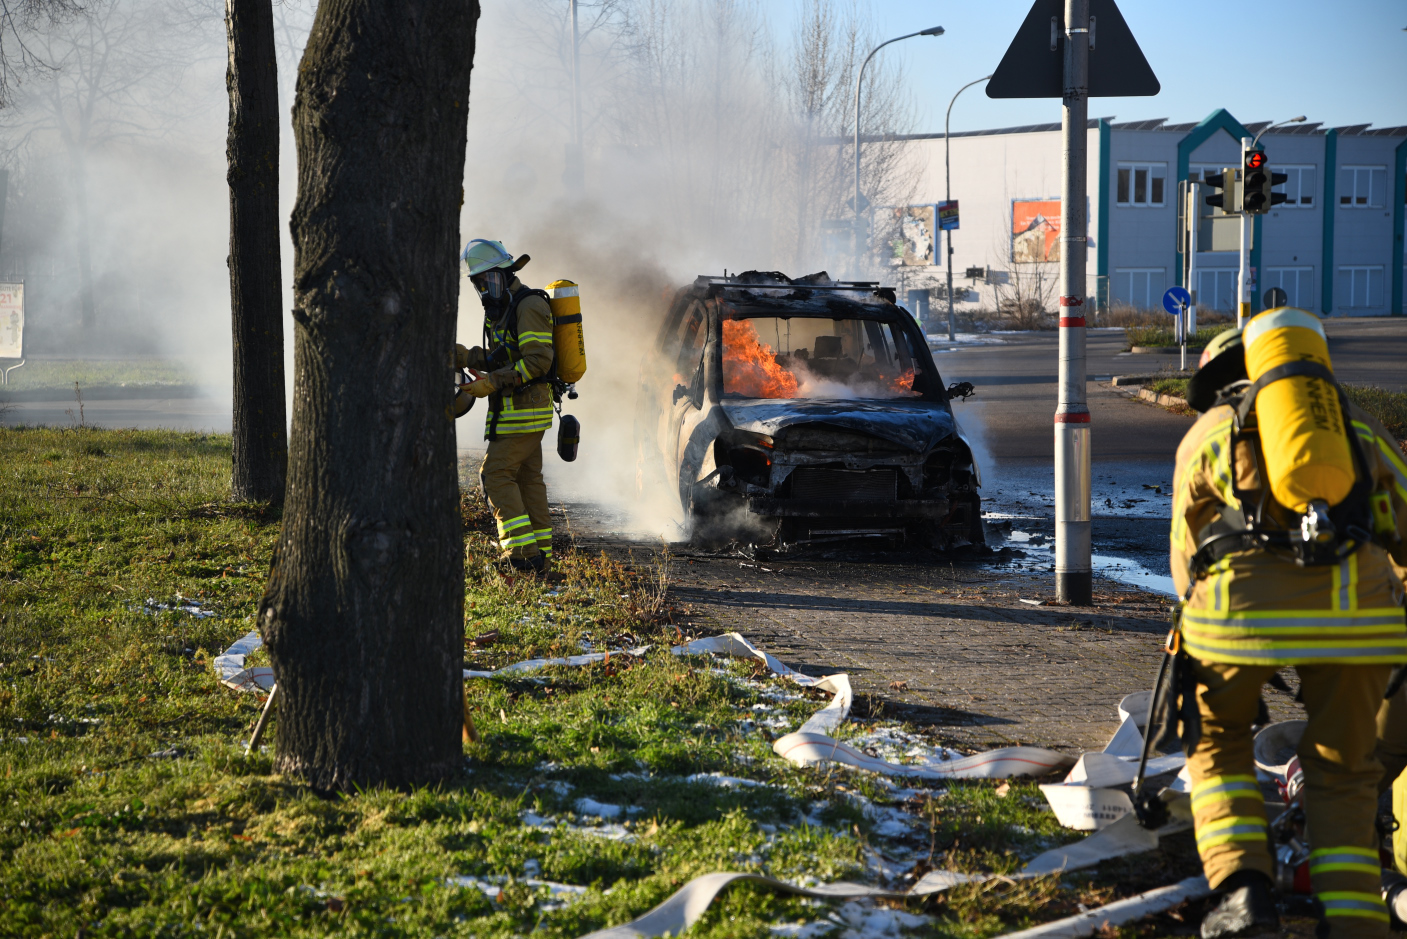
<point x="1344" y="858"/>
<point x="521" y="541"/>
<point x="508" y="524"/>
<point x="1224" y="789"/>
<point x="1353" y="903"/>
<point x="1229" y="829"/>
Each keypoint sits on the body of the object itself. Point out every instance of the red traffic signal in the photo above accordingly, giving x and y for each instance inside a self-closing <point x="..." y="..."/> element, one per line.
<point x="1255" y="160"/>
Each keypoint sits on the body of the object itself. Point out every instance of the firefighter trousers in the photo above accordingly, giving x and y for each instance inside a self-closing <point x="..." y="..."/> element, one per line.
<point x="1341" y="785"/>
<point x="511" y="475"/>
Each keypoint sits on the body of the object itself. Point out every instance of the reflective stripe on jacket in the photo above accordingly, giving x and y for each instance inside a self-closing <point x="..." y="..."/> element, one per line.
<point x="528" y="409"/>
<point x="1255" y="607"/>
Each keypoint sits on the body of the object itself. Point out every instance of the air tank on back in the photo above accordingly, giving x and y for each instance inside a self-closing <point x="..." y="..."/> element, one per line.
<point x="1302" y="432"/>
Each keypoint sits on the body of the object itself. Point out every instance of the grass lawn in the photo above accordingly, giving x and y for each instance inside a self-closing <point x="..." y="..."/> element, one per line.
<point x="1163" y="336"/>
<point x="60" y="374"/>
<point x="128" y="807"/>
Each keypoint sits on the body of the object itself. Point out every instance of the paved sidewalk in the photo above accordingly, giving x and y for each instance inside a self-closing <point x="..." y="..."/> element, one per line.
<point x="985" y="668"/>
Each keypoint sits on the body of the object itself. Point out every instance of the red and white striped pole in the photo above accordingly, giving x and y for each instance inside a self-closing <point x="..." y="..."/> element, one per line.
<point x="1073" y="570"/>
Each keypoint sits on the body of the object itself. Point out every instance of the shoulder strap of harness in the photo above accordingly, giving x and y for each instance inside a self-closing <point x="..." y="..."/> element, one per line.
<point x="1235" y="530"/>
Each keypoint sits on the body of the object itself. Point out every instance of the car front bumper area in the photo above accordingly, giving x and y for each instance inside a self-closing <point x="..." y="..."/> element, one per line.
<point x="936" y="510"/>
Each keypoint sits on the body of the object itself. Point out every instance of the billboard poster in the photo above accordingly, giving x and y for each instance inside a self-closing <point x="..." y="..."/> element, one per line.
<point x="1035" y="230"/>
<point x="917" y="243"/>
<point x="11" y="321"/>
<point x="948" y="215"/>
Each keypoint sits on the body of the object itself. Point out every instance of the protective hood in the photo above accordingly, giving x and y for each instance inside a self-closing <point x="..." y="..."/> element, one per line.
<point x="917" y="425"/>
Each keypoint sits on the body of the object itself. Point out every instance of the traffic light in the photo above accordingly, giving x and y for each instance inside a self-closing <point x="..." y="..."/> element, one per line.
<point x="1224" y="195"/>
<point x="1258" y="183"/>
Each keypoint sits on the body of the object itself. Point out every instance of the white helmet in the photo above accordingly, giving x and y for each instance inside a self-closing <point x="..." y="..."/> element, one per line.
<point x="482" y="255"/>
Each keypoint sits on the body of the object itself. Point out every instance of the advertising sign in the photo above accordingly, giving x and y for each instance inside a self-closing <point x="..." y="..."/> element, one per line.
<point x="11" y="321"/>
<point x="1035" y="230"/>
<point x="948" y="215"/>
<point x="918" y="230"/>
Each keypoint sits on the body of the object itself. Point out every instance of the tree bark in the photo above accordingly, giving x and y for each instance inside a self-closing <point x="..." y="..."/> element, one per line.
<point x="363" y="613"/>
<point x="256" y="281"/>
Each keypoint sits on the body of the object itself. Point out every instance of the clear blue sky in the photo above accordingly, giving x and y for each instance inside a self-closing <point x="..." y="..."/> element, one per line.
<point x="1340" y="62"/>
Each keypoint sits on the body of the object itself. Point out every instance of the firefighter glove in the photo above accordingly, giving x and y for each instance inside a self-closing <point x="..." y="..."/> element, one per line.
<point x="481" y="388"/>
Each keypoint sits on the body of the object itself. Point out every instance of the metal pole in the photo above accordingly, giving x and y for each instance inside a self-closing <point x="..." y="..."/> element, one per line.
<point x="1074" y="578"/>
<point x="1243" y="305"/>
<point x="948" y="195"/>
<point x="933" y="31"/>
<point x="1194" y="203"/>
<point x="576" y="172"/>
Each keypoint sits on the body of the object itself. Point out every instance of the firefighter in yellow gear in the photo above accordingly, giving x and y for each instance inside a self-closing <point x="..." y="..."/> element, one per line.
<point x="516" y="367"/>
<point x="1251" y="610"/>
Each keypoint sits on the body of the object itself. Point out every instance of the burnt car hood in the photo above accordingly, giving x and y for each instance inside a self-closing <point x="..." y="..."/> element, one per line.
<point x="917" y="425"/>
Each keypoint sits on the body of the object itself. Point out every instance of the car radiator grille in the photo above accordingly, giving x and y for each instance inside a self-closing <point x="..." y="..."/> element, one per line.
<point x="811" y="482"/>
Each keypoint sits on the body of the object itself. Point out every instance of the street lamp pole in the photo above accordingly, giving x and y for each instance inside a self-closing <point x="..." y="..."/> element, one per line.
<point x="933" y="31"/>
<point x="948" y="196"/>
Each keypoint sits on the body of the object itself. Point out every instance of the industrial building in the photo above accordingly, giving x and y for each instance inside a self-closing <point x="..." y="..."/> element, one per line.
<point x="1335" y="245"/>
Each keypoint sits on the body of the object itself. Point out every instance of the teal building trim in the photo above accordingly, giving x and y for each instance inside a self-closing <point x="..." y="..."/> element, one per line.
<point x="1399" y="202"/>
<point x="1218" y="120"/>
<point x="1331" y="179"/>
<point x="1101" y="248"/>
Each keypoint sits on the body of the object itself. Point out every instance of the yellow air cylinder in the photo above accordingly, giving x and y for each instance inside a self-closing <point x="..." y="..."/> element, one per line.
<point x="1302" y="429"/>
<point x="568" y="341"/>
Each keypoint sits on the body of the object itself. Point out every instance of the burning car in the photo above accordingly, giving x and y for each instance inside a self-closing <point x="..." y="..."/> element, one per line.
<point x="808" y="406"/>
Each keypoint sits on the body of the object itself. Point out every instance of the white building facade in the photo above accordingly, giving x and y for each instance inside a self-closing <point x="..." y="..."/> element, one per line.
<point x="1335" y="245"/>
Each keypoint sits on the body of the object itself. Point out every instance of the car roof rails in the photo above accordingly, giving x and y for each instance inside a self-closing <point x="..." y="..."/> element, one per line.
<point x="743" y="281"/>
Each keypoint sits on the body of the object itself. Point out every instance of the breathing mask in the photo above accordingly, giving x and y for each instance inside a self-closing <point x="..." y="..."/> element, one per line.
<point x="492" y="286"/>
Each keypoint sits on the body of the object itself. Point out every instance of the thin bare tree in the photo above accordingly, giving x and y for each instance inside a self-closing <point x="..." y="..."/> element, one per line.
<point x="114" y="73"/>
<point x="260" y="443"/>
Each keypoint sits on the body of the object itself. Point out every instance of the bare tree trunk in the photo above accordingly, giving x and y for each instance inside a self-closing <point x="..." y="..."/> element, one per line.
<point x="256" y="288"/>
<point x="363" y="613"/>
<point x="85" y="241"/>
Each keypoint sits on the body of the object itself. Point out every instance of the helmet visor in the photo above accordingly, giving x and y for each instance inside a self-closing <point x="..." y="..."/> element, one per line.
<point x="492" y="285"/>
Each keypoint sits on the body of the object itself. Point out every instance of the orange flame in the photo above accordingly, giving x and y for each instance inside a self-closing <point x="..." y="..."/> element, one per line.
<point x="750" y="366"/>
<point x="904" y="384"/>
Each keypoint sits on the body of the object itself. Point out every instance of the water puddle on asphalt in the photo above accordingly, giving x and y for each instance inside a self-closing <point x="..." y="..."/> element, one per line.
<point x="1038" y="549"/>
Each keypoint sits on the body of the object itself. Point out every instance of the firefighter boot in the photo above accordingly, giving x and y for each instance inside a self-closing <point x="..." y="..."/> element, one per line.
<point x="1246" y="908"/>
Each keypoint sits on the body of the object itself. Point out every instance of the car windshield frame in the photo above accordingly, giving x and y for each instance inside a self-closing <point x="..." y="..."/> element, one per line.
<point x="835" y="363"/>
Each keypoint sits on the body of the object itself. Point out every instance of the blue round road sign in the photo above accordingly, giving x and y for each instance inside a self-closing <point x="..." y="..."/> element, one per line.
<point x="1175" y="299"/>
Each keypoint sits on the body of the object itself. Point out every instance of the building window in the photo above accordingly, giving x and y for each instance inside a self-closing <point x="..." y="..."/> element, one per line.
<point x="1360" y="288"/>
<point x="1297" y="282"/>
<point x="1362" y="187"/>
<point x="1139" y="287"/>
<point x="1298" y="187"/>
<point x="1141" y="183"/>
<point x="1216" y="289"/>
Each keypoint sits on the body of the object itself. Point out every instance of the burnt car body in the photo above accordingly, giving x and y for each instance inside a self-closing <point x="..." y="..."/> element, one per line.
<point x="809" y="405"/>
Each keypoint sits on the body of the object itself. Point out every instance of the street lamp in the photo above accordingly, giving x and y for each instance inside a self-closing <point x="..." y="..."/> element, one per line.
<point x="1294" y="120"/>
<point x="933" y="31"/>
<point x="948" y="196"/>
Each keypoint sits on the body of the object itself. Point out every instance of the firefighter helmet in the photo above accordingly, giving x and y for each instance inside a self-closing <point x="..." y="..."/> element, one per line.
<point x="1223" y="362"/>
<point x="482" y="255"/>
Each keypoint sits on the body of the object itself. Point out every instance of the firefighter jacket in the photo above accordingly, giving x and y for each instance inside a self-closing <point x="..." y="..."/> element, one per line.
<point x="1254" y="606"/>
<point x="523" y="404"/>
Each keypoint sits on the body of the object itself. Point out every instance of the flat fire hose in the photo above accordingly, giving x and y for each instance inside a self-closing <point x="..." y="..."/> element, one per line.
<point x="812" y="744"/>
<point x="686" y="905"/>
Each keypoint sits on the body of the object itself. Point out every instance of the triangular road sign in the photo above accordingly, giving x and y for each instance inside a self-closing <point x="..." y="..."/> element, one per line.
<point x="1033" y="66"/>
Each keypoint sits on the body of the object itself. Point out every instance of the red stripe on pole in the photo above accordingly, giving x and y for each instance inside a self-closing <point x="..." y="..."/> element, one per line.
<point x="1072" y="301"/>
<point x="1072" y="321"/>
<point x="1072" y="417"/>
